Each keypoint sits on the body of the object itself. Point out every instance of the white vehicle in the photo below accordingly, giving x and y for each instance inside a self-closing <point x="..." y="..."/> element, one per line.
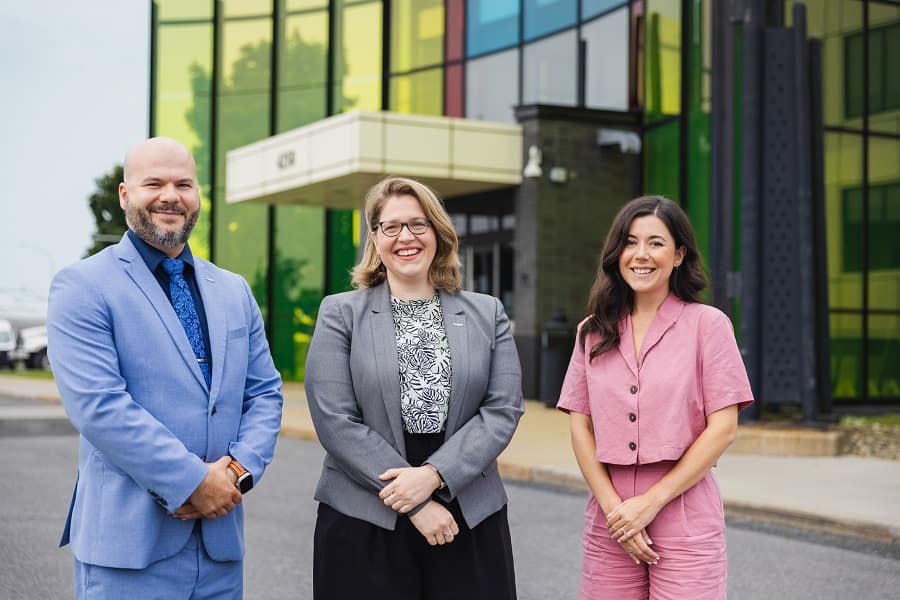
<point x="7" y="343"/>
<point x="32" y="347"/>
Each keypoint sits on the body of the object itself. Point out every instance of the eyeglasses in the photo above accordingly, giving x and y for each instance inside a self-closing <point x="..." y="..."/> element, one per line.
<point x="393" y="228"/>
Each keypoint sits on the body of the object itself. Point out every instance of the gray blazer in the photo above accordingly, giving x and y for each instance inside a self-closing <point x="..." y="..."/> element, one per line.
<point x="353" y="387"/>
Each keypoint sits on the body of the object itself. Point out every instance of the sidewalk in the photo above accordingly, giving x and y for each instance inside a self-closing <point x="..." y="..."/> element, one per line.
<point x="842" y="494"/>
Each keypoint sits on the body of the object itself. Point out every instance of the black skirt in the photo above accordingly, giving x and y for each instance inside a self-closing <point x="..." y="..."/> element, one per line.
<point x="353" y="558"/>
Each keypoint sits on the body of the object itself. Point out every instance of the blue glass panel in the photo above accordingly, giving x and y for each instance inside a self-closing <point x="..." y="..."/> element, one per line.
<point x="491" y="25"/>
<point x="546" y="16"/>
<point x="592" y="8"/>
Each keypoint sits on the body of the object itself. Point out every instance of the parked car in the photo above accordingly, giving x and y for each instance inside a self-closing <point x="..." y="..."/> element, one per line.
<point x="7" y="344"/>
<point x="31" y="347"/>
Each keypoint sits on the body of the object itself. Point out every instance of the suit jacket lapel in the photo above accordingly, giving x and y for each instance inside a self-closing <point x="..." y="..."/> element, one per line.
<point x="665" y="318"/>
<point x="137" y="269"/>
<point x="215" y="323"/>
<point x="384" y="341"/>
<point x="626" y="344"/>
<point x="456" y="328"/>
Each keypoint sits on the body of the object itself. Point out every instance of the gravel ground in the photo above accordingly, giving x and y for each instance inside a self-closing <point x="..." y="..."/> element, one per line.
<point x="873" y="440"/>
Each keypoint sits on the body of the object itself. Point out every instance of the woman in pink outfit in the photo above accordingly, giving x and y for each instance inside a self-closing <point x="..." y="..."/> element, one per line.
<point x="653" y="392"/>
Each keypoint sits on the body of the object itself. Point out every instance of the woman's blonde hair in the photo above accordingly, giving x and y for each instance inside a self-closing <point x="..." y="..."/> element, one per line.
<point x="445" y="271"/>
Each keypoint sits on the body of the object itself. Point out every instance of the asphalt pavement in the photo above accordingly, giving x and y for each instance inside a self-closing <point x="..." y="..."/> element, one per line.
<point x="545" y="526"/>
<point x="844" y="496"/>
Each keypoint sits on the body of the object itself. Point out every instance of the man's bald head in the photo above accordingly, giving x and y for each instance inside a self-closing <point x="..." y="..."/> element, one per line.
<point x="154" y="149"/>
<point x="160" y="195"/>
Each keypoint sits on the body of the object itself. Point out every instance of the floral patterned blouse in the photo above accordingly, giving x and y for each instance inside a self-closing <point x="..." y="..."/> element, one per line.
<point x="423" y="355"/>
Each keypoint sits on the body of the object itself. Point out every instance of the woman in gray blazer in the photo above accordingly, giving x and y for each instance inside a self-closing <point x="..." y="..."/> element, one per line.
<point x="414" y="388"/>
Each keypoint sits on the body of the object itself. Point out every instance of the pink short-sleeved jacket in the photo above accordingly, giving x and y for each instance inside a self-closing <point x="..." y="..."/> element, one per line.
<point x="689" y="367"/>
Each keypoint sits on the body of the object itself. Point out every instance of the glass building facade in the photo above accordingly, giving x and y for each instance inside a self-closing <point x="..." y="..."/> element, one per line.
<point x="226" y="73"/>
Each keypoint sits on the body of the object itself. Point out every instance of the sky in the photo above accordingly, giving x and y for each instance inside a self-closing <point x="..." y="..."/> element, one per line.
<point x="74" y="99"/>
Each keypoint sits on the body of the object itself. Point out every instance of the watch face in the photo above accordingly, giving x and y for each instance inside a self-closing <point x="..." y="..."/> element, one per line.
<point x="245" y="483"/>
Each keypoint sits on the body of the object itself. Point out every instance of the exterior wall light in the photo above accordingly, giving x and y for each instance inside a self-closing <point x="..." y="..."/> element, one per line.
<point x="533" y="170"/>
<point x="628" y="141"/>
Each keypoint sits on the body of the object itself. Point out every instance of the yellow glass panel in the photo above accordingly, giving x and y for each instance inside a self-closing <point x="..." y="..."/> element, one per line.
<point x="183" y="66"/>
<point x="243" y="117"/>
<point x="184" y="9"/>
<point x="303" y="70"/>
<point x="358" y="66"/>
<point x="247" y="51"/>
<point x="417" y="34"/>
<point x="663" y="56"/>
<point x="843" y="175"/>
<point x="247" y="8"/>
<point x="292" y="5"/>
<point x="832" y="21"/>
<point x="420" y="93"/>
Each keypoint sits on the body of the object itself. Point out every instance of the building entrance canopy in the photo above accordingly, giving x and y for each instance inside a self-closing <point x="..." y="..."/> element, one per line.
<point x="333" y="162"/>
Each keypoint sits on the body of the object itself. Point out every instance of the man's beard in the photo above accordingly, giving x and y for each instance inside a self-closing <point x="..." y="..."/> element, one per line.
<point x="140" y="221"/>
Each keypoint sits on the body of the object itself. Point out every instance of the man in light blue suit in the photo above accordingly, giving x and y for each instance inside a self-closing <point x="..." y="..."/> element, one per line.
<point x="163" y="367"/>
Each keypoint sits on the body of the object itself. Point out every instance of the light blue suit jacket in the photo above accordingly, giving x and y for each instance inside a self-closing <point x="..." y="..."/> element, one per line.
<point x="131" y="386"/>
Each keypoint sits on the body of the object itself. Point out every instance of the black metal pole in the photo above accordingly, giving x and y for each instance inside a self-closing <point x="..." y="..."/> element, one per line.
<point x="271" y="212"/>
<point x="804" y="215"/>
<point x="684" y="118"/>
<point x="864" y="354"/>
<point x="722" y="160"/>
<point x="817" y="137"/>
<point x="751" y="203"/>
<point x="218" y="19"/>
<point x="154" y="50"/>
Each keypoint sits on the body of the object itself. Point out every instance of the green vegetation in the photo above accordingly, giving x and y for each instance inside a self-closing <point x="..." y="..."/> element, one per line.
<point x="28" y="374"/>
<point x="892" y="419"/>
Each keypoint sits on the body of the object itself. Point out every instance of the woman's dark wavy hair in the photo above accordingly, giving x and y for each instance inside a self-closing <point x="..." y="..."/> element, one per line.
<point x="611" y="298"/>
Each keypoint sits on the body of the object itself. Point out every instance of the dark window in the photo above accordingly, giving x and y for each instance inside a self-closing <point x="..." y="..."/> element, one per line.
<point x="884" y="223"/>
<point x="884" y="85"/>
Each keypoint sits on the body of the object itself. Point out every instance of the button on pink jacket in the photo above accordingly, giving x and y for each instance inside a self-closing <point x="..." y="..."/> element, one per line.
<point x="653" y="410"/>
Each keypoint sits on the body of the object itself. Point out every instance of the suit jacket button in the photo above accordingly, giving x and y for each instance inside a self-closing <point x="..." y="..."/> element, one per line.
<point x="634" y="389"/>
<point x="632" y="417"/>
<point x="632" y="445"/>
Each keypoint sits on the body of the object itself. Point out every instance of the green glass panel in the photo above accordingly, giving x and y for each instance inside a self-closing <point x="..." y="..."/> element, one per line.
<point x="241" y="230"/>
<point x="343" y="240"/>
<point x="843" y="185"/>
<point x="884" y="242"/>
<point x="358" y="56"/>
<point x="698" y="129"/>
<point x="884" y="78"/>
<point x="884" y="354"/>
<point x="661" y="164"/>
<point x="299" y="232"/>
<point x="303" y="70"/>
<point x="299" y="284"/>
<point x="182" y="105"/>
<point x="171" y="10"/>
<point x="421" y="93"/>
<point x="884" y="219"/>
<point x="846" y="355"/>
<point x="662" y="55"/>
<point x="417" y="34"/>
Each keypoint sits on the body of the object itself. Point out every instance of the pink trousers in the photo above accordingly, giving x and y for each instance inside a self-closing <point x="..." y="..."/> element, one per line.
<point x="688" y="534"/>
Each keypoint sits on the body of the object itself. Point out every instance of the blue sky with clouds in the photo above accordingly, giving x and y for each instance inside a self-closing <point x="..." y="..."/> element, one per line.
<point x="75" y="81"/>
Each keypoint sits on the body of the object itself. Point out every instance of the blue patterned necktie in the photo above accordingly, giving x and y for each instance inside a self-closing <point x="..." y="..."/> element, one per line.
<point x="183" y="303"/>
